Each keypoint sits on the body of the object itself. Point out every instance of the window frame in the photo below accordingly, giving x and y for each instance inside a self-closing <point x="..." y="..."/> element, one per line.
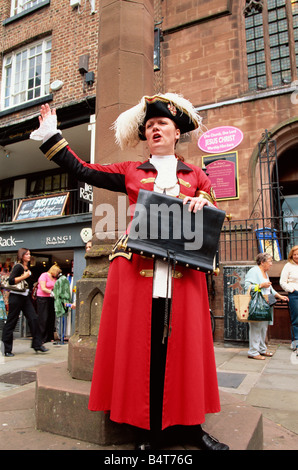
<point x="16" y="8"/>
<point x="27" y="12"/>
<point x="292" y="57"/>
<point x="9" y="69"/>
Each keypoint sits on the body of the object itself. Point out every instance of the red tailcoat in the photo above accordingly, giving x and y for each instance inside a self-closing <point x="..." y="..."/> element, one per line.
<point x="121" y="377"/>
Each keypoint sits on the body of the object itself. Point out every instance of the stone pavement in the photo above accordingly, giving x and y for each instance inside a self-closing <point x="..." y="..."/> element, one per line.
<point x="270" y="386"/>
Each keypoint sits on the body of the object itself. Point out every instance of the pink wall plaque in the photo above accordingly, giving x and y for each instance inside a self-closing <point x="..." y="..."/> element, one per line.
<point x="222" y="170"/>
<point x="220" y="139"/>
<point x="222" y="176"/>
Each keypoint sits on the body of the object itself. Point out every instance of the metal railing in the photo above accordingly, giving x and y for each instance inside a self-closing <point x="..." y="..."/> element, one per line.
<point x="9" y="207"/>
<point x="242" y="240"/>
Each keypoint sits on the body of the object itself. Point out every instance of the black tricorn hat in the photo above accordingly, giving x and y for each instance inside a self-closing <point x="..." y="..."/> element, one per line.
<point x="129" y="127"/>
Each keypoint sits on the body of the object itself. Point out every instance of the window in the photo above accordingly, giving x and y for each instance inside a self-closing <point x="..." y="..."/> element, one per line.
<point x="47" y="184"/>
<point x="255" y="52"/>
<point x="19" y="6"/>
<point x="271" y="28"/>
<point x="279" y="42"/>
<point x="26" y="74"/>
<point x="295" y="27"/>
<point x="6" y="190"/>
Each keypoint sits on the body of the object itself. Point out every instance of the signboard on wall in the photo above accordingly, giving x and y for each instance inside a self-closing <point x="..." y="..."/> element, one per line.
<point x="34" y="208"/>
<point x="85" y="192"/>
<point x="222" y="170"/>
<point x="220" y="139"/>
<point x="44" y="235"/>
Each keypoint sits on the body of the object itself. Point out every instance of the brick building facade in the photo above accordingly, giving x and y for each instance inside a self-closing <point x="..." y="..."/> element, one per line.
<point x="47" y="49"/>
<point x="73" y="33"/>
<point x="235" y="60"/>
<point x="237" y="63"/>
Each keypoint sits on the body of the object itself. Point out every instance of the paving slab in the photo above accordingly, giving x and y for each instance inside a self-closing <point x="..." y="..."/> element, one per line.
<point x="270" y="388"/>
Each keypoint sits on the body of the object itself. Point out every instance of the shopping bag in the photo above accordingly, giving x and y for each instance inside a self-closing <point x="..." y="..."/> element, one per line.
<point x="241" y="302"/>
<point x="259" y="308"/>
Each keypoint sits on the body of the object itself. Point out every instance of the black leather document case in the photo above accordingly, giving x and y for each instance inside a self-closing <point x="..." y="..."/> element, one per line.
<point x="163" y="227"/>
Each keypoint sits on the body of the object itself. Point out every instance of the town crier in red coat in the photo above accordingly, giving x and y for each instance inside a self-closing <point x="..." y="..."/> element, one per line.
<point x="154" y="379"/>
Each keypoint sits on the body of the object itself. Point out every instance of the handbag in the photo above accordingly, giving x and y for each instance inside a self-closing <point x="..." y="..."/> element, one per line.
<point x="241" y="302"/>
<point x="271" y="300"/>
<point x="163" y="227"/>
<point x="21" y="286"/>
<point x="259" y="308"/>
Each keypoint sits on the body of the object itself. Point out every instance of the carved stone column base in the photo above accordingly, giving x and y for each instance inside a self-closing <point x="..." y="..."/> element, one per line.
<point x="81" y="354"/>
<point x="89" y="300"/>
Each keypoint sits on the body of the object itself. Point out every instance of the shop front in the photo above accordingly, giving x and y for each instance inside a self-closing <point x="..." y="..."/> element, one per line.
<point x="57" y="240"/>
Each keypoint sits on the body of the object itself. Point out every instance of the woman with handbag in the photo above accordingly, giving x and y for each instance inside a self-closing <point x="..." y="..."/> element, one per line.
<point x="21" y="302"/>
<point x="257" y="278"/>
<point x="289" y="282"/>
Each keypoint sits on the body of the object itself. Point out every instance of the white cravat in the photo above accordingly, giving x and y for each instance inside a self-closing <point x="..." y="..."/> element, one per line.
<point x="165" y="182"/>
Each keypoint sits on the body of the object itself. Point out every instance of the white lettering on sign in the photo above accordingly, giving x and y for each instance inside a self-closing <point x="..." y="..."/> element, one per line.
<point x="220" y="139"/>
<point x="10" y="241"/>
<point x="58" y="240"/>
<point x="86" y="195"/>
<point x="50" y="201"/>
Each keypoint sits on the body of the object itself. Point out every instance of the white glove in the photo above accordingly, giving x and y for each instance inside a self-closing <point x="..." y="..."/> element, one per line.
<point x="47" y="129"/>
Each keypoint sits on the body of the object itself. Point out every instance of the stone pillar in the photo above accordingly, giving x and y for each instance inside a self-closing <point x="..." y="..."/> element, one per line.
<point x="125" y="74"/>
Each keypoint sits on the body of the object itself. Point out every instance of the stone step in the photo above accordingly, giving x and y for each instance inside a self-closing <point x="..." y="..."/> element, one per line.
<point x="62" y="408"/>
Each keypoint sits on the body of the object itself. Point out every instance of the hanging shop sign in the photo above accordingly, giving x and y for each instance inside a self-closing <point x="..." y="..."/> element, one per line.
<point x="41" y="207"/>
<point x="222" y="170"/>
<point x="220" y="139"/>
<point x="85" y="192"/>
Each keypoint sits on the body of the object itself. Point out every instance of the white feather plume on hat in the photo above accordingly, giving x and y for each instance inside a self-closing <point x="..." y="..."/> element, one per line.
<point x="127" y="125"/>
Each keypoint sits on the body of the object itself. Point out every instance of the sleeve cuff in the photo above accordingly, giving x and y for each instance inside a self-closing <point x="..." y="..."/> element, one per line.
<point x="206" y="196"/>
<point x="53" y="145"/>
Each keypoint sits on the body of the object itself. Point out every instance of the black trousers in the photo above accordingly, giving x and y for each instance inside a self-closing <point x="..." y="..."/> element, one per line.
<point x="157" y="376"/>
<point x="158" y="364"/>
<point x="46" y="317"/>
<point x="18" y="303"/>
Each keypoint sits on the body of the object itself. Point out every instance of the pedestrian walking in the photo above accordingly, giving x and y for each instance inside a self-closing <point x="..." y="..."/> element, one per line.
<point x="21" y="302"/>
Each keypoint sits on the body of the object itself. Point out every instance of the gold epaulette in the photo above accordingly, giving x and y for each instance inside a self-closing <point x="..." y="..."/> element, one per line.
<point x="56" y="148"/>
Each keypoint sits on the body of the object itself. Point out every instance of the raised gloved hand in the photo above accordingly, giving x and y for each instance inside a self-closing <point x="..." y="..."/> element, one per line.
<point x="47" y="124"/>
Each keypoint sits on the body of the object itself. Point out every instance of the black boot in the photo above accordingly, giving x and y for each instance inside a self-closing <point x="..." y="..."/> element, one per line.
<point x="41" y="349"/>
<point x="207" y="442"/>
